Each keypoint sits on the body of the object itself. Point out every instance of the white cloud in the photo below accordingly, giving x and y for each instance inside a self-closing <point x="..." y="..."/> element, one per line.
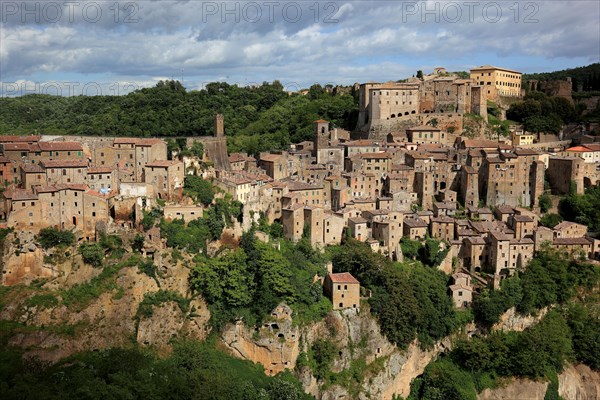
<point x="366" y="43"/>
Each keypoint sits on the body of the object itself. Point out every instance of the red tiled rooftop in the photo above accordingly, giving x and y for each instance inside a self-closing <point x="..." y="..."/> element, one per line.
<point x="162" y="163"/>
<point x="343" y="277"/>
<point x="60" y="146"/>
<point x="64" y="164"/>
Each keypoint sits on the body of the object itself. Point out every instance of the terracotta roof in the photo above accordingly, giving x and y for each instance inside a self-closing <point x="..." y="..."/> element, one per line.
<point x="99" y="170"/>
<point x="32" y="168"/>
<point x="270" y="157"/>
<point x="522" y="218"/>
<point x="22" y="194"/>
<point x="375" y="155"/>
<point x="480" y="144"/>
<point x="148" y="142"/>
<point x="19" y="139"/>
<point x="571" y="241"/>
<point x="424" y="128"/>
<point x="415" y="223"/>
<point x="343" y="277"/>
<point x="581" y="149"/>
<point x="487" y="66"/>
<point x="565" y="225"/>
<point x="321" y="121"/>
<point x="504" y="209"/>
<point x="526" y="152"/>
<point x="64" y="164"/>
<point x="236" y="157"/>
<point x="60" y="146"/>
<point x="125" y="141"/>
<point x="361" y="143"/>
<point x="442" y="219"/>
<point x="16" y="147"/>
<point x="357" y="220"/>
<point x="162" y="163"/>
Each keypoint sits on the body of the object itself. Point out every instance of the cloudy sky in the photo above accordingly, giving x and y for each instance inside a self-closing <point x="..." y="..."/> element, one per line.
<point x="110" y="47"/>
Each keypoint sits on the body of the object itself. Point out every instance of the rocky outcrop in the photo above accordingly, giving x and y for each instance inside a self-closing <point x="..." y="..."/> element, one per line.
<point x="522" y="389"/>
<point x="54" y="331"/>
<point x="275" y="344"/>
<point x="512" y="321"/>
<point x="168" y="322"/>
<point x="22" y="267"/>
<point x="356" y="335"/>
<point x="579" y="382"/>
<point x="576" y="382"/>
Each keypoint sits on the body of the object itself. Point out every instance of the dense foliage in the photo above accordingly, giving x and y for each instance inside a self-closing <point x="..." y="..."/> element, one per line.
<point x="251" y="281"/>
<point x="193" y="371"/>
<point x="538" y="352"/>
<point x="551" y="277"/>
<point x="92" y="254"/>
<point x="545" y="202"/>
<point x="256" y="118"/>
<point x="52" y="237"/>
<point x="542" y="113"/>
<point x="409" y="300"/>
<point x="194" y="236"/>
<point x="583" y="209"/>
<point x="199" y="189"/>
<point x="550" y="220"/>
<point x="583" y="78"/>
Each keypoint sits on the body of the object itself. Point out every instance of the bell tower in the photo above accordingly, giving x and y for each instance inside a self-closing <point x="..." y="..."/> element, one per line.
<point x="321" y="140"/>
<point x="219" y="125"/>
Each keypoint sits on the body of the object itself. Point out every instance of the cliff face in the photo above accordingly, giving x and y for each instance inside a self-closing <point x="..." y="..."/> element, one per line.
<point x="576" y="382"/>
<point x="357" y="337"/>
<point x="389" y="370"/>
<point x="101" y="315"/>
<point x="275" y="344"/>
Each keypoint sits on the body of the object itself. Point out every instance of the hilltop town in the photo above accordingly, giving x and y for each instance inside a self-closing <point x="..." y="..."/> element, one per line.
<point x="420" y="178"/>
<point x="409" y="175"/>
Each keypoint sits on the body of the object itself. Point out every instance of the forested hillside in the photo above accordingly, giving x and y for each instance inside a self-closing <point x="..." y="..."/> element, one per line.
<point x="170" y="110"/>
<point x="585" y="79"/>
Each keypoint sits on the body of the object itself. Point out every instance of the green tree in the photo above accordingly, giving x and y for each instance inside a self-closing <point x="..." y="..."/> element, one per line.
<point x="92" y="253"/>
<point x="545" y="202"/>
<point x="551" y="220"/>
<point x="199" y="189"/>
<point x="52" y="237"/>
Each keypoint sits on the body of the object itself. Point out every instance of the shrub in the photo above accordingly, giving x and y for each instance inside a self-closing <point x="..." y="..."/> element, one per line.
<point x="52" y="237"/>
<point x="92" y="254"/>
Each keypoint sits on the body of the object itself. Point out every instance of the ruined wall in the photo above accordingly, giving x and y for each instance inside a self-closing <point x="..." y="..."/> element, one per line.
<point x="215" y="149"/>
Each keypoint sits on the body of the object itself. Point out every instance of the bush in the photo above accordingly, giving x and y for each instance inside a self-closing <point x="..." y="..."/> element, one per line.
<point x="551" y="220"/>
<point x="199" y="189"/>
<point x="92" y="254"/>
<point x="52" y="237"/>
<point x="545" y="202"/>
<point x="155" y="299"/>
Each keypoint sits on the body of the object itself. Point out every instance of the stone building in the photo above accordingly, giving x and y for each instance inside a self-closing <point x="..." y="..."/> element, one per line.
<point x="461" y="290"/>
<point x="187" y="212"/>
<point x="167" y="178"/>
<point x="497" y="82"/>
<point x="426" y="134"/>
<point x="563" y="170"/>
<point x="32" y="175"/>
<point x="65" y="171"/>
<point x="415" y="228"/>
<point x="343" y="289"/>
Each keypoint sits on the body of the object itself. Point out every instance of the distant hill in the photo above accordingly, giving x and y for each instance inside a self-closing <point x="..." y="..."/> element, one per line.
<point x="585" y="79"/>
<point x="256" y="118"/>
